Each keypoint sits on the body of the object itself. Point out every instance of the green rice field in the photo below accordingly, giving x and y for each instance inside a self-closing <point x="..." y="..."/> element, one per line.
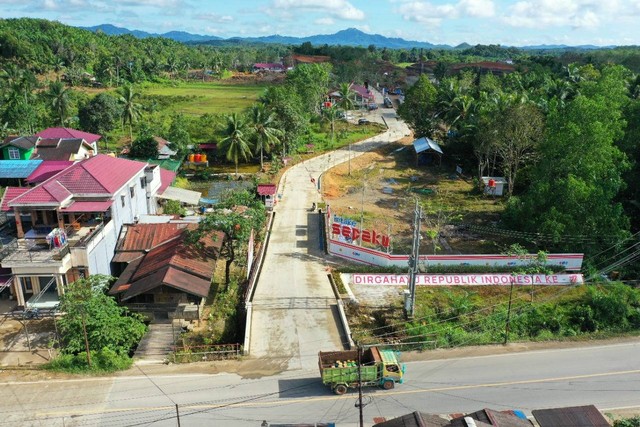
<point x="199" y="98"/>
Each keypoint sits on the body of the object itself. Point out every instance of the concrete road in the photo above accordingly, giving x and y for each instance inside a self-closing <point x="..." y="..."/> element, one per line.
<point x="606" y="376"/>
<point x="293" y="310"/>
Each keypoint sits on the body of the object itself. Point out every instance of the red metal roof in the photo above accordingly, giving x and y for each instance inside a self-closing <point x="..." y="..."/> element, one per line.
<point x="47" y="169"/>
<point x="266" y="189"/>
<point x="88" y="206"/>
<point x="11" y="193"/>
<point x="98" y="175"/>
<point x="208" y="146"/>
<point x="166" y="179"/>
<point x="68" y="133"/>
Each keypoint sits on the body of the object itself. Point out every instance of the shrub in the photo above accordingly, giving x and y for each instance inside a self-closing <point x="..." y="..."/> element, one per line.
<point x="105" y="360"/>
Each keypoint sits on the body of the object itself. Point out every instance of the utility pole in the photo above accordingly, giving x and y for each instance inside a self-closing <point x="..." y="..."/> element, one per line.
<point x="410" y="303"/>
<point x="349" y="159"/>
<point x="359" y="404"/>
<point x="178" y="415"/>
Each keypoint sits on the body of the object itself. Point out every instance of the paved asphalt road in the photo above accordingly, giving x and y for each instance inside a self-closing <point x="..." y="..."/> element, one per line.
<point x="607" y="376"/>
<point x="294" y="313"/>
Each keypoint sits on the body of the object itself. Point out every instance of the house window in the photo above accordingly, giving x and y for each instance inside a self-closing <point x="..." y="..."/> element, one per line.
<point x="14" y="153"/>
<point x="122" y="199"/>
<point x="28" y="285"/>
<point x="143" y="181"/>
<point x="132" y="191"/>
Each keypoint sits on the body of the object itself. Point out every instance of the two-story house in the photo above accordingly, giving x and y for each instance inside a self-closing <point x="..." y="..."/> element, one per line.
<point x="68" y="133"/>
<point x="68" y="225"/>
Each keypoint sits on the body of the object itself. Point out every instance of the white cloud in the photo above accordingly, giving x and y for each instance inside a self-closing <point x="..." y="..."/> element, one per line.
<point x="478" y="8"/>
<point x="340" y="9"/>
<point x="324" y="21"/>
<point x="433" y="14"/>
<point x="49" y="5"/>
<point x="152" y="3"/>
<point x="214" y="17"/>
<point x="560" y="13"/>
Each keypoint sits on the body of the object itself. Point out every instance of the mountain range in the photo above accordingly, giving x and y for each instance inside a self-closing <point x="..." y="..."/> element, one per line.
<point x="348" y="37"/>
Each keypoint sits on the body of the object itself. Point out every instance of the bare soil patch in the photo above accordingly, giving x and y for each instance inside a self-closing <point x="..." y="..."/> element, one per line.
<point x="382" y="189"/>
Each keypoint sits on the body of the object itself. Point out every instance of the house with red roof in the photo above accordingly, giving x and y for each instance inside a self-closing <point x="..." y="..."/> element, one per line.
<point x="68" y="225"/>
<point x="68" y="133"/>
<point x="162" y="276"/>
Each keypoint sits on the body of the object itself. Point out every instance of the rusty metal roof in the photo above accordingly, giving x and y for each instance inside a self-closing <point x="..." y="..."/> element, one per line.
<point x="415" y="419"/>
<point x="573" y="416"/>
<point x="166" y="260"/>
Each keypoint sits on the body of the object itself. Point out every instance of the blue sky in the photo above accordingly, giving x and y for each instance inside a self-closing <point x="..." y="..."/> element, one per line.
<point x="506" y="22"/>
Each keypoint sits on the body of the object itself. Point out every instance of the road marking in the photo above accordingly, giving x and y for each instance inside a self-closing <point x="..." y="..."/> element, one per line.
<point x="282" y="402"/>
<point x="528" y="352"/>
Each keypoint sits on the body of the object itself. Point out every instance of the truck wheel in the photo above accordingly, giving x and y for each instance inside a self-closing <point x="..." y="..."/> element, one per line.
<point x="340" y="389"/>
<point x="388" y="385"/>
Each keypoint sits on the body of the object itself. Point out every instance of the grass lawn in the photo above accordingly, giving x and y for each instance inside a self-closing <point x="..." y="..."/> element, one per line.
<point x="404" y="64"/>
<point x="198" y="98"/>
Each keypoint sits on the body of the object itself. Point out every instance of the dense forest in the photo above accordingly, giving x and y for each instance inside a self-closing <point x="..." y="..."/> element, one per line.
<point x="563" y="128"/>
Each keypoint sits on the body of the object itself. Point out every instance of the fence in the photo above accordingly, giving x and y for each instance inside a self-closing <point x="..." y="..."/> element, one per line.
<point x="200" y="353"/>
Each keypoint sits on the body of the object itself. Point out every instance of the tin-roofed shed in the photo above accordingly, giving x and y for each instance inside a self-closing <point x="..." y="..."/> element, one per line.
<point x="427" y="151"/>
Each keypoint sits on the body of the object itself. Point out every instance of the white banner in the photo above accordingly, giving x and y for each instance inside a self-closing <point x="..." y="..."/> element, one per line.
<point x="467" y="279"/>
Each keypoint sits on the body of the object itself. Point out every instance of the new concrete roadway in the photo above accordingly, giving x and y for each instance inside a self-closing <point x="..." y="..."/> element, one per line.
<point x="606" y="376"/>
<point x="294" y="311"/>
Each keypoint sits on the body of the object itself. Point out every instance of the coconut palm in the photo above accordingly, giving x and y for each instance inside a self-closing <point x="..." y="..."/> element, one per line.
<point x="58" y="99"/>
<point x="265" y="135"/>
<point x="235" y="142"/>
<point x="130" y="108"/>
<point x="347" y="101"/>
<point x="330" y="115"/>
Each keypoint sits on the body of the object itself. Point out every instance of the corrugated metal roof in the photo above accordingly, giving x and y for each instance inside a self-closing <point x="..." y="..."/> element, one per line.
<point x="88" y="206"/>
<point x="573" y="416"/>
<point x="181" y="195"/>
<point x="68" y="133"/>
<point x="18" y="168"/>
<point x="415" y="419"/>
<point x="424" y="144"/>
<point x="59" y="149"/>
<point x="172" y="263"/>
<point x="24" y="142"/>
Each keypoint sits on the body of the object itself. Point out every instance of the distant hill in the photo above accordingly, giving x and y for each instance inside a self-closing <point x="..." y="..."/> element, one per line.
<point x="180" y="36"/>
<point x="348" y="37"/>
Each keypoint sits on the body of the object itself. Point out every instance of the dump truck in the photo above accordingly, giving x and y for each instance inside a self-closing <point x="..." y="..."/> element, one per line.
<point x="339" y="369"/>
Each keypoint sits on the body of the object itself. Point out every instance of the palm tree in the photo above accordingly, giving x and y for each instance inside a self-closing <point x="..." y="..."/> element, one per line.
<point x="265" y="135"/>
<point x="58" y="97"/>
<point x="331" y="115"/>
<point x="235" y="142"/>
<point x="130" y="108"/>
<point x="346" y="101"/>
